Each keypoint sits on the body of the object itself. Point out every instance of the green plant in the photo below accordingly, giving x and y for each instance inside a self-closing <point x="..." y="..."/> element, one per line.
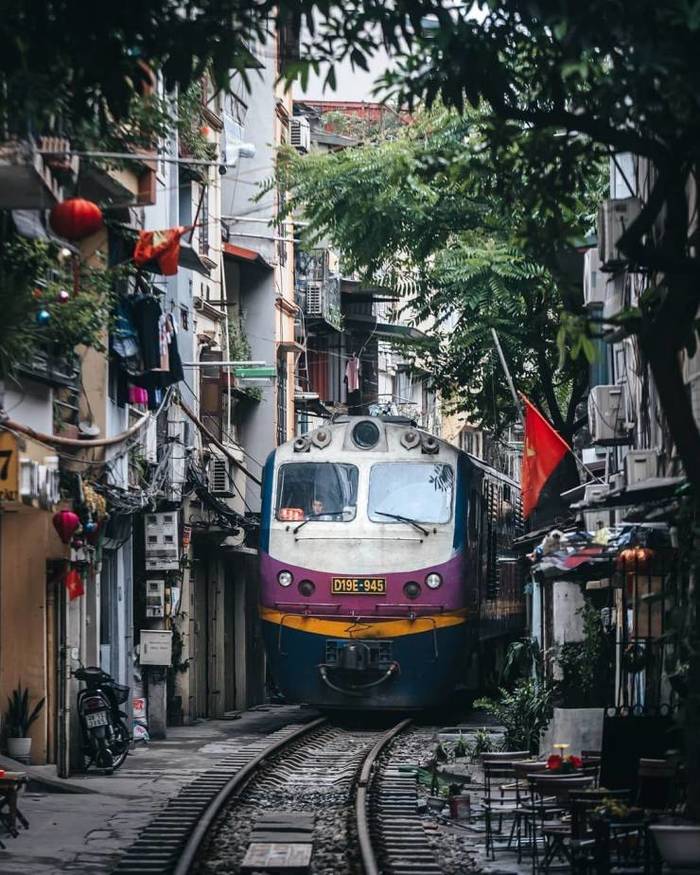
<point x="32" y="278"/>
<point x="585" y="664"/>
<point x="482" y="743"/>
<point x="191" y="122"/>
<point x="524" y="659"/>
<point x="524" y="712"/>
<point x="18" y="717"/>
<point x="461" y="747"/>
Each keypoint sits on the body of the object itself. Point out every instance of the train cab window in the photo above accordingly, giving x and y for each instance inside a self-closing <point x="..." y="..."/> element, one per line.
<point x="420" y="491"/>
<point x="317" y="491"/>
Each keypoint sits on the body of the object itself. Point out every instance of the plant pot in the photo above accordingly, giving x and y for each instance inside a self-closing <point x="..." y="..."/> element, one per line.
<point x="679" y="845"/>
<point x="20" y="749"/>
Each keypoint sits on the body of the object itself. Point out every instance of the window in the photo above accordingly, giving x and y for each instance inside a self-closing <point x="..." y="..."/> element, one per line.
<point x="421" y="491"/>
<point x="323" y="491"/>
<point x="204" y="223"/>
<point x="281" y="401"/>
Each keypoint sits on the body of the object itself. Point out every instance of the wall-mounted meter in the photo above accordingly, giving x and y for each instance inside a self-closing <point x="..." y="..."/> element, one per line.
<point x="155" y="598"/>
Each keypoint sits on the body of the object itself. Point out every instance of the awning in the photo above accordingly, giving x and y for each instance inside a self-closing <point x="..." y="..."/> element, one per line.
<point x="388" y="330"/>
<point x="592" y="562"/>
<point x="357" y="291"/>
<point x="249" y="256"/>
<point x="311" y="403"/>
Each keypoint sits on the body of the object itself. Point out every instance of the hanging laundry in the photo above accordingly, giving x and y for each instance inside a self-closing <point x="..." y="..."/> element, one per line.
<point x="352" y="373"/>
<point x="163" y="247"/>
<point x="176" y="371"/>
<point x="146" y="314"/>
<point x="138" y="396"/>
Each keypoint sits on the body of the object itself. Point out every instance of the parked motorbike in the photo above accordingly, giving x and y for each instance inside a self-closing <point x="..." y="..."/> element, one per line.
<point x="103" y="724"/>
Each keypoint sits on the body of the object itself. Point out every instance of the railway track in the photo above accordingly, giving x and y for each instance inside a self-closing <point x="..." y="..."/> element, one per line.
<point x="169" y="844"/>
<point x="341" y="785"/>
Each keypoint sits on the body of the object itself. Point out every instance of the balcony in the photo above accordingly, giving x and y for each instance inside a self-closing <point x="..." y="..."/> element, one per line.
<point x="52" y="370"/>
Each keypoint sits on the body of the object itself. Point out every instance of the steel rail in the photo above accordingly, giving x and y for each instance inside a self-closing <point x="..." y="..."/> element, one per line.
<point x="230" y="791"/>
<point x="367" y="855"/>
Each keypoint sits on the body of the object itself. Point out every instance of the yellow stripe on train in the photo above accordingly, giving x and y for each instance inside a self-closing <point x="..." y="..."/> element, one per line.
<point x="362" y="627"/>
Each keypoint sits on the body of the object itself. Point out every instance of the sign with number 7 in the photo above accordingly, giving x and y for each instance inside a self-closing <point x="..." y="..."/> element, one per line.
<point x="9" y="467"/>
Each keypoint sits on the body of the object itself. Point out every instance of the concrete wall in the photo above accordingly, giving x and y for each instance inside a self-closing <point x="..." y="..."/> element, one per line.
<point x="27" y="540"/>
<point x="581" y="728"/>
<point x="30" y="404"/>
<point x="567" y="599"/>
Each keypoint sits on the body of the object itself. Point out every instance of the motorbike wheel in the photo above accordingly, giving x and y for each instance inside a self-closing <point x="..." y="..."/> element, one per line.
<point x="120" y="745"/>
<point x="104" y="758"/>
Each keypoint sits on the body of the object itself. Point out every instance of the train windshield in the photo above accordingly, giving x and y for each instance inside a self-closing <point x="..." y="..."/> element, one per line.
<point x="420" y="491"/>
<point x="317" y="491"/>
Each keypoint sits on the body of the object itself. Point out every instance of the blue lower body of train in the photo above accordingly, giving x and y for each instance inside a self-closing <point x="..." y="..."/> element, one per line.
<point x="388" y="665"/>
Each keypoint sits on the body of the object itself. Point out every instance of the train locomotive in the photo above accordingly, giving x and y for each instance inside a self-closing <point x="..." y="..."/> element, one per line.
<point x="386" y="571"/>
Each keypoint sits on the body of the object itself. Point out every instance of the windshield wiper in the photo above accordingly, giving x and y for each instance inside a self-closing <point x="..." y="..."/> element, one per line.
<point x="315" y="516"/>
<point x="403" y="519"/>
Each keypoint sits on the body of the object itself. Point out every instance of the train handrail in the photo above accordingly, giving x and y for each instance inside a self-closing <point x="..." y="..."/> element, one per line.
<point x="359" y="689"/>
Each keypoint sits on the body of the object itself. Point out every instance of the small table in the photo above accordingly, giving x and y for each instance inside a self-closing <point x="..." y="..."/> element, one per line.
<point x="10" y="785"/>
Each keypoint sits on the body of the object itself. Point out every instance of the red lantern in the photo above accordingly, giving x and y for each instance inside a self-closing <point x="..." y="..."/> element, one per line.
<point x="76" y="218"/>
<point x="66" y="522"/>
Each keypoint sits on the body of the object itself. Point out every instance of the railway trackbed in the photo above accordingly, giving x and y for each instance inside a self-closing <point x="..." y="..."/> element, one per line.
<point x="334" y="796"/>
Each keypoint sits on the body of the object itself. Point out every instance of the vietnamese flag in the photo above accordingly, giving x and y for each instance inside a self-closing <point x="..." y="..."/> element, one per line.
<point x="544" y="450"/>
<point x="162" y="247"/>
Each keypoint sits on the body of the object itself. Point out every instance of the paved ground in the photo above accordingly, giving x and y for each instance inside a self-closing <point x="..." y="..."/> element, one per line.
<point x="87" y="832"/>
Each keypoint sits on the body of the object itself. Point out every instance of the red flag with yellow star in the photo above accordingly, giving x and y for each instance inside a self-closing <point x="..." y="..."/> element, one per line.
<point x="544" y="450"/>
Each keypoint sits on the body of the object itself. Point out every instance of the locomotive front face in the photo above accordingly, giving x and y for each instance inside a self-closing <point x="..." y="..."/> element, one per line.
<point x="362" y="566"/>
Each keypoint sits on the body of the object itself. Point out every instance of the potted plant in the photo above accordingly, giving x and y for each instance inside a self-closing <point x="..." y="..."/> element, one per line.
<point x="18" y="720"/>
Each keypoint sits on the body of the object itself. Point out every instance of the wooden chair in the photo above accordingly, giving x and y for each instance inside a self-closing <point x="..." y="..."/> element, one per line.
<point x="550" y="801"/>
<point x="581" y="843"/>
<point x="499" y="802"/>
<point x="656" y="788"/>
<point x="524" y="770"/>
<point x="504" y="756"/>
<point x="10" y="785"/>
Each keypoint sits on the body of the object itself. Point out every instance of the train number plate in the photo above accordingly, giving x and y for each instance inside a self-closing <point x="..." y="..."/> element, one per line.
<point x="358" y="586"/>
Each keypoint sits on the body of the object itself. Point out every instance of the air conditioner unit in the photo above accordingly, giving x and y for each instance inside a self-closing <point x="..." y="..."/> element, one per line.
<point x="595" y="518"/>
<point x="615" y="215"/>
<point x="640" y="465"/>
<point x="28" y="480"/>
<point x="300" y="133"/>
<point x="607" y="415"/>
<point x="594" y="282"/>
<point x="49" y="483"/>
<point x="314" y="299"/>
<point x="220" y="474"/>
<point x="614" y="300"/>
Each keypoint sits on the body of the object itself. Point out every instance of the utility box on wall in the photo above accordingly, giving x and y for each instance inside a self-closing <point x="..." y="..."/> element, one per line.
<point x="155" y="598"/>
<point x="156" y="647"/>
<point x="162" y="547"/>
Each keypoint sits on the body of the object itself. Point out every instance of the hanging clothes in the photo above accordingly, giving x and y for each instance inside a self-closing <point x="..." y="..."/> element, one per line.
<point x="352" y="373"/>
<point x="146" y="315"/>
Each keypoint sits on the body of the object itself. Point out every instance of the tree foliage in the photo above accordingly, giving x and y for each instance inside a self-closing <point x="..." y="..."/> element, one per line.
<point x="424" y="214"/>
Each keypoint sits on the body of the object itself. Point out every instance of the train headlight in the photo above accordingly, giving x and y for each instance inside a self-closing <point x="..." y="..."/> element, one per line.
<point x="285" y="578"/>
<point x="411" y="589"/>
<point x="433" y="580"/>
<point x="365" y="435"/>
<point x="307" y="588"/>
